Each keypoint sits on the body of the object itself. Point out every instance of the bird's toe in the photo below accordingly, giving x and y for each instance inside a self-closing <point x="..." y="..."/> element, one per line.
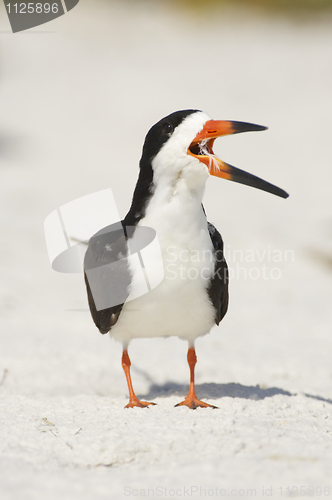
<point x="194" y="403"/>
<point x="139" y="404"/>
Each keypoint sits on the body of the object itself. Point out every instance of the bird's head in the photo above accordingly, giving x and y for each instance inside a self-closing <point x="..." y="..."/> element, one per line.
<point x="180" y="145"/>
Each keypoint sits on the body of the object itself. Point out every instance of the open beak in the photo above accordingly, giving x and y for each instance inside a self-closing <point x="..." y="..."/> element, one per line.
<point x="201" y="148"/>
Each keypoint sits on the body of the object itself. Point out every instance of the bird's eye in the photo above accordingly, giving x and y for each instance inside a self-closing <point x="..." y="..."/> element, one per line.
<point x="168" y="128"/>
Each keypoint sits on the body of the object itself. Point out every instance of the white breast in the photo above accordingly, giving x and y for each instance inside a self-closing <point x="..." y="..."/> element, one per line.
<point x="180" y="305"/>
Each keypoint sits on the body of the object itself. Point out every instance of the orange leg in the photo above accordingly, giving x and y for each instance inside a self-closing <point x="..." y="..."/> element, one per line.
<point x="191" y="399"/>
<point x="133" y="399"/>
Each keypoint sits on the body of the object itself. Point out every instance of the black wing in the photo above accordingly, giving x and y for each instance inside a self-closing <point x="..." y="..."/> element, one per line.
<point x="107" y="276"/>
<point x="218" y="289"/>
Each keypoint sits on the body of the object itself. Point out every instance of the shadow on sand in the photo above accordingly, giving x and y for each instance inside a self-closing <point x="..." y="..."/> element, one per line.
<point x="216" y="391"/>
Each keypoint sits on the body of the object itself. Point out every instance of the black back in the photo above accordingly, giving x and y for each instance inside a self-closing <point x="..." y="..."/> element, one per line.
<point x="218" y="289"/>
<point x="107" y="276"/>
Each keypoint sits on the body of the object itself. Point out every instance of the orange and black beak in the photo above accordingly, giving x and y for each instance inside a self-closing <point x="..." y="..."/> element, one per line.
<point x="201" y="148"/>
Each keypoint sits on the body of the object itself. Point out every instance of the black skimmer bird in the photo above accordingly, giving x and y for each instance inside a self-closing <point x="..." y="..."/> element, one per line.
<point x="192" y="297"/>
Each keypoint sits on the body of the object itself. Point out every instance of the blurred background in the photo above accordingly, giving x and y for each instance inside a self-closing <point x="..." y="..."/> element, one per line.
<point x="284" y="7"/>
<point x="77" y="97"/>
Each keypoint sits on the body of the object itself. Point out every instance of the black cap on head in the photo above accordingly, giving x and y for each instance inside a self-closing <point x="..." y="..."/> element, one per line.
<point x="162" y="131"/>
